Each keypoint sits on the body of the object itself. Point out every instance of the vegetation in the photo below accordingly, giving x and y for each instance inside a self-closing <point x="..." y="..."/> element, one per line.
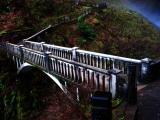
<point x="114" y="30"/>
<point x="86" y="30"/>
<point x="7" y="88"/>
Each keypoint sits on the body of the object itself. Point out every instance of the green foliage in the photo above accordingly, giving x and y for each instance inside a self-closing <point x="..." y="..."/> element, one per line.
<point x="116" y="102"/>
<point x="2" y="32"/>
<point x="85" y="29"/>
<point x="10" y="105"/>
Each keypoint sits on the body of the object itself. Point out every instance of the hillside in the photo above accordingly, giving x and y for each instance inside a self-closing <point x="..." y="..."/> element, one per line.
<point x="118" y="30"/>
<point x="115" y="30"/>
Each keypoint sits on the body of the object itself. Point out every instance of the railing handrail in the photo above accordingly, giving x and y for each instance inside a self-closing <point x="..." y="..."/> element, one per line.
<point x="110" y="56"/>
<point x="32" y="42"/>
<point x="59" y="47"/>
<point x="107" y="72"/>
<point x="34" y="51"/>
<point x="93" y="53"/>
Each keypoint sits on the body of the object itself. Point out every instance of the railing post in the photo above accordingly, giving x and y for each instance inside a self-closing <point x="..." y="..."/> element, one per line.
<point x="42" y="46"/>
<point x="74" y="58"/>
<point x="21" y="53"/>
<point x="114" y="81"/>
<point x="145" y="69"/>
<point x="132" y="85"/>
<point x="47" y="61"/>
<point x="6" y="46"/>
<point x="74" y="54"/>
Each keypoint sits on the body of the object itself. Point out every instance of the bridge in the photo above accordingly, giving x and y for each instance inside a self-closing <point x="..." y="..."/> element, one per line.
<point x="101" y="71"/>
<point x="117" y="75"/>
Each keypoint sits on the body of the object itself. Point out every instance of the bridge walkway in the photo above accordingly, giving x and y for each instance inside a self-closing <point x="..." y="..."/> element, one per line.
<point x="149" y="102"/>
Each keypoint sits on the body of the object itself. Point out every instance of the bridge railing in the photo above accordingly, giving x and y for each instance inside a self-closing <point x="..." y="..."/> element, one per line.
<point x="99" y="60"/>
<point x="2" y="45"/>
<point x="13" y="49"/>
<point x="33" y="45"/>
<point x="105" y="61"/>
<point x="96" y="78"/>
<point x="63" y="52"/>
<point x="59" y="51"/>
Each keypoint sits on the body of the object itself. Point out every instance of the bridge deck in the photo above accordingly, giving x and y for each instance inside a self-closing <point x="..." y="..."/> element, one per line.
<point x="149" y="102"/>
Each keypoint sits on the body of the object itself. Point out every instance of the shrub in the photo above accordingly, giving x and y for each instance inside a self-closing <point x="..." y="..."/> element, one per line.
<point x="85" y="29"/>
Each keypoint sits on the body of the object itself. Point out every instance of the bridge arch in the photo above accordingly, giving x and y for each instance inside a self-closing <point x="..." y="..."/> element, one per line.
<point x="34" y="88"/>
<point x="26" y="67"/>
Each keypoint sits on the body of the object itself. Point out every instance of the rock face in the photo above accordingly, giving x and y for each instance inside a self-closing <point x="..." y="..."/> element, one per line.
<point x="148" y="8"/>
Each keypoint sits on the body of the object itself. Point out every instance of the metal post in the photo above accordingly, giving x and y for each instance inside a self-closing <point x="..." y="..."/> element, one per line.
<point x="47" y="61"/>
<point x="132" y="85"/>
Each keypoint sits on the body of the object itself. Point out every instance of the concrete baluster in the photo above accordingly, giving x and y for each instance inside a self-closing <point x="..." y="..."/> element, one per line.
<point x="53" y="65"/>
<point x="97" y="82"/>
<point x="65" y="70"/>
<point x="83" y="75"/>
<point x="68" y="71"/>
<point x="113" y="63"/>
<point x="88" y="77"/>
<point x="92" y="79"/>
<point x="62" y="69"/>
<point x="72" y="71"/>
<point x="103" y="83"/>
<point x="77" y="94"/>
